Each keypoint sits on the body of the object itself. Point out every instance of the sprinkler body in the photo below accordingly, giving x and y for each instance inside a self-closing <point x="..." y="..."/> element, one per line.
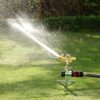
<point x="68" y="72"/>
<point x="68" y="59"/>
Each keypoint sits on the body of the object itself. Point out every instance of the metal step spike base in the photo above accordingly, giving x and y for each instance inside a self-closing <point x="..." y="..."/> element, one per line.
<point x="65" y="84"/>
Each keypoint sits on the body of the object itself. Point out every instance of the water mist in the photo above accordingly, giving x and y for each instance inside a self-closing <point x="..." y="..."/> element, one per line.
<point x="26" y="28"/>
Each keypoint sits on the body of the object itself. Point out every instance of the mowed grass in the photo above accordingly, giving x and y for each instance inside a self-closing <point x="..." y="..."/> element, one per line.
<point x="25" y="74"/>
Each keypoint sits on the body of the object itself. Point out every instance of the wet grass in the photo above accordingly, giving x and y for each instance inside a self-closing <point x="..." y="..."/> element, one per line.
<point x="27" y="74"/>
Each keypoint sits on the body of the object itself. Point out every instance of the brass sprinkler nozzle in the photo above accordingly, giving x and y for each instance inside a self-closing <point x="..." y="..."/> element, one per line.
<point x="68" y="58"/>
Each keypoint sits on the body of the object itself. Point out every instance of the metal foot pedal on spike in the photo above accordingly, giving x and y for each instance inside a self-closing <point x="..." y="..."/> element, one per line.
<point x="64" y="83"/>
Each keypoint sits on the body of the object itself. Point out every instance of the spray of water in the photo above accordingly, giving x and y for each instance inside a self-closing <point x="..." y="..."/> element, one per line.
<point x="26" y="28"/>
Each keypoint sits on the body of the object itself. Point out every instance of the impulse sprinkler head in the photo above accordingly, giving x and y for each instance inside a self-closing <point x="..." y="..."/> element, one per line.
<point x="68" y="59"/>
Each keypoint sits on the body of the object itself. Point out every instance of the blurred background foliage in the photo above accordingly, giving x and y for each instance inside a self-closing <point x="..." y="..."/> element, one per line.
<point x="48" y="8"/>
<point x="71" y="15"/>
<point x="67" y="7"/>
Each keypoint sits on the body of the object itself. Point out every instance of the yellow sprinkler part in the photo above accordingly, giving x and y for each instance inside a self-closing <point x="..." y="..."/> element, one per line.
<point x="68" y="59"/>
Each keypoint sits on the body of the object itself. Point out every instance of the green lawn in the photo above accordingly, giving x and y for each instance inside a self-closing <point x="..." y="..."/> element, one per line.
<point x="30" y="73"/>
